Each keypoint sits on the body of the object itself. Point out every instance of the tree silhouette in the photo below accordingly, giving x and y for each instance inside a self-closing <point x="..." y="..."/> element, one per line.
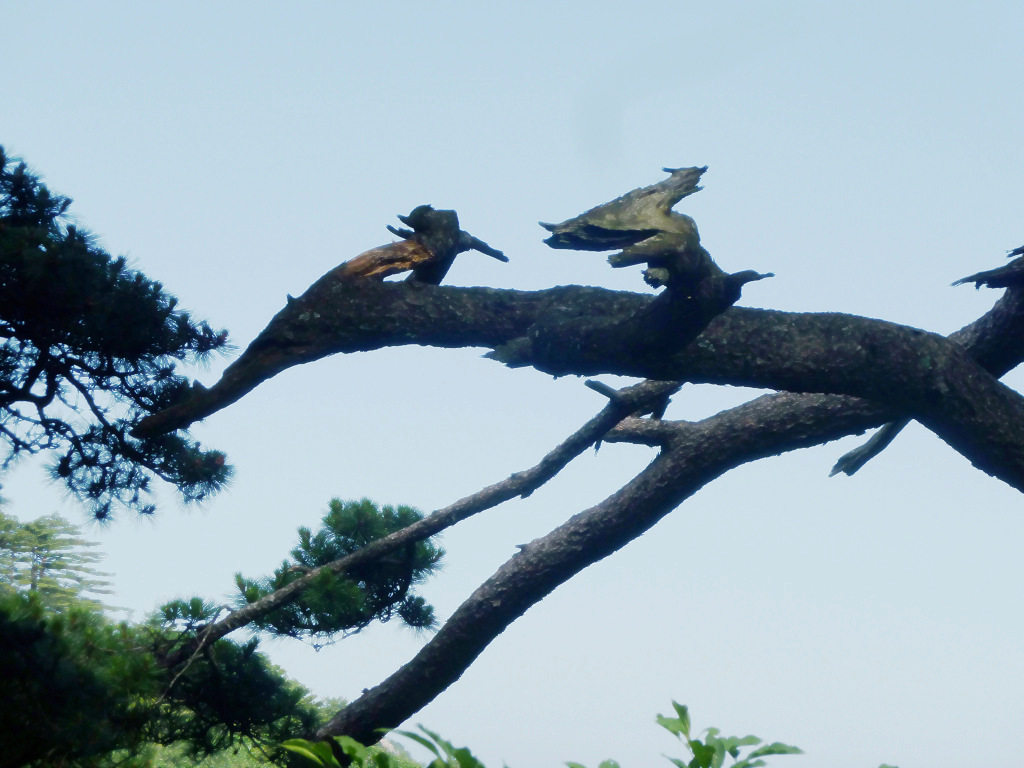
<point x="89" y="347"/>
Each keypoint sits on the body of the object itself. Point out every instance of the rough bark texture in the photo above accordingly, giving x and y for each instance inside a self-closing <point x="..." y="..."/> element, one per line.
<point x="589" y="331"/>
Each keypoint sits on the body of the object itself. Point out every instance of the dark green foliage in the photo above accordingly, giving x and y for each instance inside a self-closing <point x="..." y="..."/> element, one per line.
<point x="377" y="591"/>
<point x="235" y="693"/>
<point x="76" y="687"/>
<point x="232" y="695"/>
<point x="227" y="691"/>
<point x="89" y="347"/>
<point x="73" y="684"/>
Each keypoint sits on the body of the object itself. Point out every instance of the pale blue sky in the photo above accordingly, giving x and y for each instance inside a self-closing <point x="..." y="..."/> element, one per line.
<point x="867" y="153"/>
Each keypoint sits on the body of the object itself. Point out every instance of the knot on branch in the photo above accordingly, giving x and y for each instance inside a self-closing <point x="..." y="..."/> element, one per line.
<point x="631" y="218"/>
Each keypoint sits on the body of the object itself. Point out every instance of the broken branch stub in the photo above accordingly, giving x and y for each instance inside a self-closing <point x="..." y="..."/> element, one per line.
<point x="643" y="225"/>
<point x="428" y="250"/>
<point x="631" y="218"/>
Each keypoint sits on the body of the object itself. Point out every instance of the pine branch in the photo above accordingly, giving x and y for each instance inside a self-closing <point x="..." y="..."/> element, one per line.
<point x="520" y="484"/>
<point x="587" y="331"/>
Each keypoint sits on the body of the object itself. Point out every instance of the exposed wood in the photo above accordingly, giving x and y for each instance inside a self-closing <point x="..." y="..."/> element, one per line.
<point x="378" y="263"/>
<point x="631" y="218"/>
<point x="643" y="224"/>
<point x="428" y="250"/>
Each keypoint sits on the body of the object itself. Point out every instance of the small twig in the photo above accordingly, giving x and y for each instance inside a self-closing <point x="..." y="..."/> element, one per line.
<point x="850" y="462"/>
<point x="602" y="389"/>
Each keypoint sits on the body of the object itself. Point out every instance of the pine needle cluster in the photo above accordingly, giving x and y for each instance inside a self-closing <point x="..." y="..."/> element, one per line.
<point x="378" y="591"/>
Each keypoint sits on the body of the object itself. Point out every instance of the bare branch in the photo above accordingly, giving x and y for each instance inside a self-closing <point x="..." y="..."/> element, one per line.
<point x="652" y="432"/>
<point x="849" y="463"/>
<point x="519" y="484"/>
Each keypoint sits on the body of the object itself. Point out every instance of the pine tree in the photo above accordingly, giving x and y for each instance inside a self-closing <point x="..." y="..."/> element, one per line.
<point x="11" y="536"/>
<point x="89" y="347"/>
<point x="50" y="558"/>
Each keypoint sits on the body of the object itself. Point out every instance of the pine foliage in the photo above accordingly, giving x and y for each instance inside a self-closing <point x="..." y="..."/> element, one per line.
<point x="88" y="347"/>
<point x="378" y="591"/>
<point x="74" y="684"/>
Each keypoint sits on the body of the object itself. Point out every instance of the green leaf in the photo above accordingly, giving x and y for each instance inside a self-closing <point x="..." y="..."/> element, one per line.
<point x="464" y="758"/>
<point x="747" y="763"/>
<point x="684" y="717"/>
<point x="422" y="742"/>
<point x="318" y="752"/>
<point x="298" y="747"/>
<point x="449" y="750"/>
<point x="608" y="764"/>
<point x="732" y="744"/>
<point x="353" y="748"/>
<point x="576" y="765"/>
<point x="446" y="755"/>
<point x="679" y="725"/>
<point x="777" y="748"/>
<point x="672" y="725"/>
<point x="746" y="741"/>
<point x="703" y="755"/>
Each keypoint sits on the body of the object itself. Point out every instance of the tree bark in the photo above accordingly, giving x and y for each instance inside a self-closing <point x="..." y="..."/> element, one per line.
<point x="589" y="331"/>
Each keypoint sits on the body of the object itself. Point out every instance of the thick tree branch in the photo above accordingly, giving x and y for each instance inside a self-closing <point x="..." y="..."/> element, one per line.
<point x="915" y="373"/>
<point x="337" y="316"/>
<point x="998" y="356"/>
<point x="574" y="330"/>
<point x="652" y="432"/>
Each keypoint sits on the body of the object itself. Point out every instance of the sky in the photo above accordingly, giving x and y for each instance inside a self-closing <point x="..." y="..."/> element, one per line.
<point x="866" y="153"/>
